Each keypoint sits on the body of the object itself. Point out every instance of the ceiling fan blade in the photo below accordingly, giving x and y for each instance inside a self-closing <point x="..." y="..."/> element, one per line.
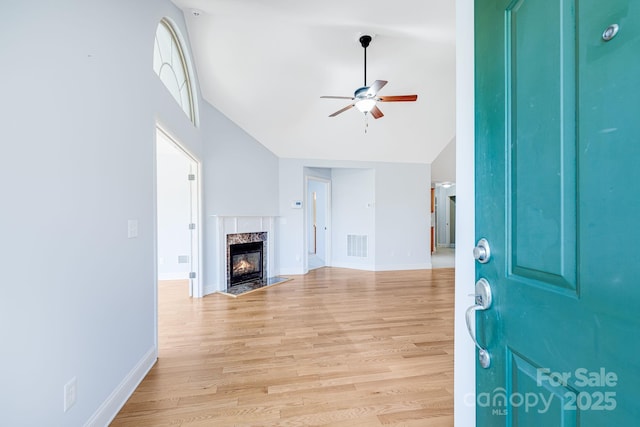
<point x="376" y="113"/>
<point x="398" y="98"/>
<point x="338" y="97"/>
<point x="342" y="111"/>
<point x="376" y="86"/>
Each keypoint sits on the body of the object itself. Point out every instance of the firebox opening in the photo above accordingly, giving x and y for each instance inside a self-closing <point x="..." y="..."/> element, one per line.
<point x="245" y="262"/>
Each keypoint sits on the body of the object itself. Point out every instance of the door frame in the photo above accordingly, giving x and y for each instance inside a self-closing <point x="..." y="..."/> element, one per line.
<point x="196" y="288"/>
<point x="307" y="207"/>
<point x="443" y="222"/>
<point x="464" y="350"/>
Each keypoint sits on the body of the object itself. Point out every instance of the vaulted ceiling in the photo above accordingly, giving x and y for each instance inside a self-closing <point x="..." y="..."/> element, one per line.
<point x="265" y="63"/>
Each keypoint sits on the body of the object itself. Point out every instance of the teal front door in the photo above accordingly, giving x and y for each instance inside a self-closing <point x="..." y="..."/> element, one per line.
<point x="557" y="104"/>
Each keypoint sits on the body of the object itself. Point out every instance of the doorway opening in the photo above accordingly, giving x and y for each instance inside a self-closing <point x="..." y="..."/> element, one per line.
<point x="318" y="192"/>
<point x="178" y="219"/>
<point x="444" y="219"/>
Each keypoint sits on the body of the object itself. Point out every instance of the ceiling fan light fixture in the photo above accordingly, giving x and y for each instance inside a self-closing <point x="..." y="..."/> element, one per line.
<point x="366" y="97"/>
<point x="365" y="105"/>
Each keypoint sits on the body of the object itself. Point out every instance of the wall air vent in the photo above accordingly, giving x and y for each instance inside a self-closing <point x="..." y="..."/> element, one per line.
<point x="357" y="245"/>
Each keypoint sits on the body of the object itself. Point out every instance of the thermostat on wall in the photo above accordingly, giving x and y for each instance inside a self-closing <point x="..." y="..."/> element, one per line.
<point x="296" y="204"/>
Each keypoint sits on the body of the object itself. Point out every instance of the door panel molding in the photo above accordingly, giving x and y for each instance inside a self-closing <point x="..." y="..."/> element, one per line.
<point x="536" y="394"/>
<point x="541" y="141"/>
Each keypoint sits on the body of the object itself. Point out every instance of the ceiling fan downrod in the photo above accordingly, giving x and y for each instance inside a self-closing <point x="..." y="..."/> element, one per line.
<point x="364" y="41"/>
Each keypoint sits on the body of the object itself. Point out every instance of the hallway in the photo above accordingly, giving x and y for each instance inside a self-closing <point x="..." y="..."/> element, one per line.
<point x="443" y="258"/>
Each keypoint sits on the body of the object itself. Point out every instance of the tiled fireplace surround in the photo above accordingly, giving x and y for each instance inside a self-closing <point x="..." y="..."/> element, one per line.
<point x="243" y="229"/>
<point x="238" y="238"/>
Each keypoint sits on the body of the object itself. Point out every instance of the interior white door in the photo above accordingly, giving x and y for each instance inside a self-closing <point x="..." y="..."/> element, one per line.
<point x="177" y="213"/>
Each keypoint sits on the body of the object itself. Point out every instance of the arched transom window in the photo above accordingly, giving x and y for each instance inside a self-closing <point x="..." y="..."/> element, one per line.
<point x="170" y="65"/>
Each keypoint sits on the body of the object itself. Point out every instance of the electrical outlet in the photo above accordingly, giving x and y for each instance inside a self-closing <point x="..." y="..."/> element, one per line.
<point x="70" y="393"/>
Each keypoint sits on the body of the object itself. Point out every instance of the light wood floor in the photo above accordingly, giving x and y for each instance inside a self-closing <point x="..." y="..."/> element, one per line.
<point x="335" y="347"/>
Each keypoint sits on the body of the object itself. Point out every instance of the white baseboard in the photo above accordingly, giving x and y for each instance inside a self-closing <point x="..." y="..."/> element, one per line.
<point x="116" y="400"/>
<point x="387" y="267"/>
<point x="401" y="267"/>
<point x="211" y="289"/>
<point x="292" y="272"/>
<point x="173" y="276"/>
<point x="353" y="266"/>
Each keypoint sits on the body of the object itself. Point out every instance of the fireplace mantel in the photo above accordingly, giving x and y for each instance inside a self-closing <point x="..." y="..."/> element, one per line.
<point x="228" y="224"/>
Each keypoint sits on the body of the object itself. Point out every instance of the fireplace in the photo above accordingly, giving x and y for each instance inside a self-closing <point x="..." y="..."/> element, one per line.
<point x="246" y="262"/>
<point x="247" y="258"/>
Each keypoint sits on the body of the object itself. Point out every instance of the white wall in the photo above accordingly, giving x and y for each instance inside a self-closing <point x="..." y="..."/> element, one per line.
<point x="240" y="172"/>
<point x="443" y="168"/>
<point x="464" y="351"/>
<point x="79" y="103"/>
<point x="321" y="173"/>
<point x="403" y="216"/>
<point x="401" y="204"/>
<point x="353" y="212"/>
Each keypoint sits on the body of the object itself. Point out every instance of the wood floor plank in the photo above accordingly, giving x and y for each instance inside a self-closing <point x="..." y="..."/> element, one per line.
<point x="335" y="347"/>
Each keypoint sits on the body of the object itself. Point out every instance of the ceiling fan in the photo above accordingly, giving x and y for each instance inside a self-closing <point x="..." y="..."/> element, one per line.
<point x="366" y="97"/>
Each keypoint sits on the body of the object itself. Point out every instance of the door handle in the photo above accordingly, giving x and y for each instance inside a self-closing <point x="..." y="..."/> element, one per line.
<point x="483" y="302"/>
<point x="482" y="251"/>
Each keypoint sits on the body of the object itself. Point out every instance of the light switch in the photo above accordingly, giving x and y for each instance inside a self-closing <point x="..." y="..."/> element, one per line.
<point x="132" y="228"/>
